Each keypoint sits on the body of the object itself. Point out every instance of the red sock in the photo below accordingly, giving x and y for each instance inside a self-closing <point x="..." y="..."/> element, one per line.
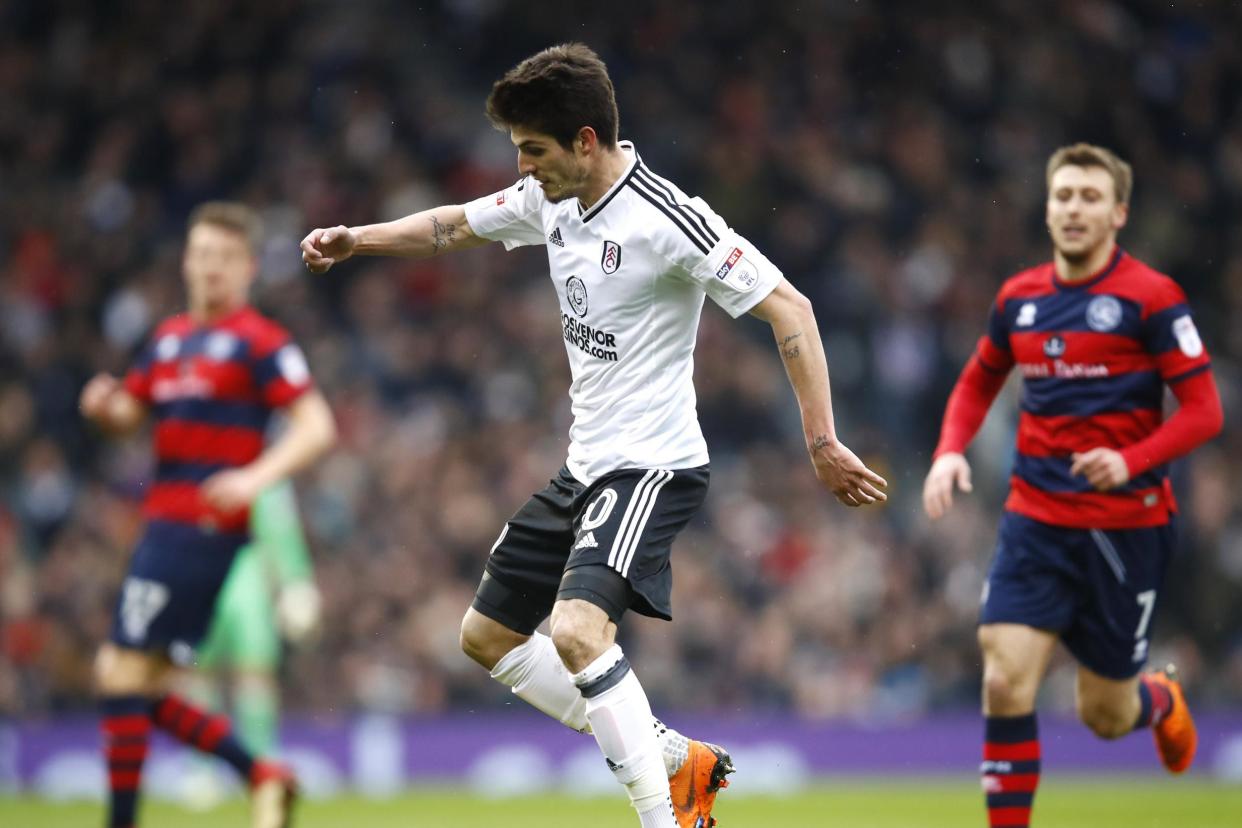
<point x="126" y="736"/>
<point x="1155" y="702"/>
<point x="1010" y="769"/>
<point x="207" y="732"/>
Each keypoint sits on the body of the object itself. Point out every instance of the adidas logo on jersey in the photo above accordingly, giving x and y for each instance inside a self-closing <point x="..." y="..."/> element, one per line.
<point x="555" y="237"/>
<point x="587" y="541"/>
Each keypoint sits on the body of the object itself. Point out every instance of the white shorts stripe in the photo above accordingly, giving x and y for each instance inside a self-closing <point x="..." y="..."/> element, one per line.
<point x="622" y="541"/>
<point x="632" y="545"/>
<point x="1110" y="554"/>
<point x="625" y="519"/>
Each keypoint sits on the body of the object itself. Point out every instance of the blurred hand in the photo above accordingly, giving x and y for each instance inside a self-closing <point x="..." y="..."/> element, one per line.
<point x="232" y="489"/>
<point x="323" y="248"/>
<point x="950" y="469"/>
<point x="298" y="610"/>
<point x="840" y="470"/>
<point x="1104" y="468"/>
<point x="93" y="401"/>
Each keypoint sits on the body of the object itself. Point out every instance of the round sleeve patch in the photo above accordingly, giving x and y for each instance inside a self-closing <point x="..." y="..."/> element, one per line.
<point x="1187" y="336"/>
<point x="743" y="276"/>
<point x="292" y="365"/>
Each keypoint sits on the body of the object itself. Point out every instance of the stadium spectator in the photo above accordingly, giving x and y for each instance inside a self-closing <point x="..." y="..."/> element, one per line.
<point x="902" y="148"/>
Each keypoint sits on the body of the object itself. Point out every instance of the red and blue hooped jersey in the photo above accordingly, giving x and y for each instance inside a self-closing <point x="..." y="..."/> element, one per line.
<point x="1095" y="357"/>
<point x="211" y="390"/>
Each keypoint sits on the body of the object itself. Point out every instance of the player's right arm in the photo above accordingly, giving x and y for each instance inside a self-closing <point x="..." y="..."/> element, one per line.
<point x="106" y="402"/>
<point x="980" y="381"/>
<point x="417" y="236"/>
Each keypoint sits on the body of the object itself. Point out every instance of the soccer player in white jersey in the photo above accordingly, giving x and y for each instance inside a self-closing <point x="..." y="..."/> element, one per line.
<point x="631" y="258"/>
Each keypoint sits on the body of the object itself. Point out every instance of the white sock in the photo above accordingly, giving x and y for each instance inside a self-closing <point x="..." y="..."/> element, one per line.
<point x="659" y="816"/>
<point x="620" y="718"/>
<point x="538" y="676"/>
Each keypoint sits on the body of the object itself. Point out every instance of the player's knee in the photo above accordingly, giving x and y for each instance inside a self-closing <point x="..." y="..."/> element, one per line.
<point x="578" y="643"/>
<point x="122" y="672"/>
<point x="475" y="642"/>
<point x="571" y="642"/>
<point x="1104" y="720"/>
<point x="1002" y="691"/>
<point x="104" y="672"/>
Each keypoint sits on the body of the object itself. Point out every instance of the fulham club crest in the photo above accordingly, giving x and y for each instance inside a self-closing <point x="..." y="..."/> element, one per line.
<point x="611" y="258"/>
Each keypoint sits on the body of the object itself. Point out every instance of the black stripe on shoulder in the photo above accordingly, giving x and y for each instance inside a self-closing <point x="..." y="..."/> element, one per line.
<point x="676" y="219"/>
<point x="596" y="208"/>
<point x="1193" y="372"/>
<point x="990" y="368"/>
<point x="685" y="209"/>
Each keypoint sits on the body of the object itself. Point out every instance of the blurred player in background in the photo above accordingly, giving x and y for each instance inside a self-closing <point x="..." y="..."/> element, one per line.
<point x="210" y="378"/>
<point x="270" y="591"/>
<point x="1088" y="532"/>
<point x="631" y="259"/>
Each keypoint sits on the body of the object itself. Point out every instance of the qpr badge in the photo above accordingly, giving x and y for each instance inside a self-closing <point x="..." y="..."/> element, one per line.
<point x="576" y="293"/>
<point x="1103" y="314"/>
<point x="611" y="258"/>
<point x="220" y="346"/>
<point x="167" y="347"/>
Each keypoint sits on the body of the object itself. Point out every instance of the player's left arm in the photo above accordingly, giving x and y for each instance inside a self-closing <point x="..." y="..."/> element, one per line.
<point x="797" y="336"/>
<point x="1171" y="337"/>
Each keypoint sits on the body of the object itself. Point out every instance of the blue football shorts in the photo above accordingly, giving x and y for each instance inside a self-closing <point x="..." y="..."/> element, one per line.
<point x="1095" y="588"/>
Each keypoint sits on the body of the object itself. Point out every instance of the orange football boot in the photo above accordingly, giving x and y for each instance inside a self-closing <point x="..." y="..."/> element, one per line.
<point x="273" y="790"/>
<point x="1176" y="738"/>
<point x="696" y="783"/>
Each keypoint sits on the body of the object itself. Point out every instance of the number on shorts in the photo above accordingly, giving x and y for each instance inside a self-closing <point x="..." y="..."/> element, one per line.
<point x="599" y="510"/>
<point x="1147" y="600"/>
<point x="141" y="601"/>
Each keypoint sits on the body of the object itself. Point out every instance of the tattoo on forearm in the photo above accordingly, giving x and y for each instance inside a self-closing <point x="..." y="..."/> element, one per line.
<point x="788" y="349"/>
<point x="821" y="441"/>
<point x="442" y="234"/>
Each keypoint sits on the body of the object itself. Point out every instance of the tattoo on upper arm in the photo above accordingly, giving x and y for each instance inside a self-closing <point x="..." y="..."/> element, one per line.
<point x="442" y="234"/>
<point x="788" y="349"/>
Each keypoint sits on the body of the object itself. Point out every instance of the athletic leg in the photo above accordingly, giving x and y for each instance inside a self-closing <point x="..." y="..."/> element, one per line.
<point x="1125" y="569"/>
<point x="1015" y="658"/>
<point x="616" y="707"/>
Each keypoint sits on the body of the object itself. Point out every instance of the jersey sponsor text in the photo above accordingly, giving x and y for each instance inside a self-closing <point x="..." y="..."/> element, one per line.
<point x="591" y="341"/>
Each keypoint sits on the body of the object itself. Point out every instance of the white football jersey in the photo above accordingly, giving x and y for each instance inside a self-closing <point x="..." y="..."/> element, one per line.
<point x="630" y="274"/>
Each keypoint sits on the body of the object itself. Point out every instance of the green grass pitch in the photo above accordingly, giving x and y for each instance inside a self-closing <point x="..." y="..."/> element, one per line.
<point x="1061" y="803"/>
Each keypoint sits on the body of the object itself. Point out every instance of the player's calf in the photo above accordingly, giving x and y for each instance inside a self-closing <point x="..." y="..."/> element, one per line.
<point x="1105" y="720"/>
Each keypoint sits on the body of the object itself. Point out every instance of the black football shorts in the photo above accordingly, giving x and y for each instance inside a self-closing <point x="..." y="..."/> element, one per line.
<point x="607" y="543"/>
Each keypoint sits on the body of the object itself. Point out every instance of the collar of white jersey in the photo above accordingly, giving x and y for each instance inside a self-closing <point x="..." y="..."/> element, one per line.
<point x="624" y="146"/>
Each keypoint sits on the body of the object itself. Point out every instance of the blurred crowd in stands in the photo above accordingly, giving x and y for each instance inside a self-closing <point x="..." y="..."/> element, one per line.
<point x="889" y="157"/>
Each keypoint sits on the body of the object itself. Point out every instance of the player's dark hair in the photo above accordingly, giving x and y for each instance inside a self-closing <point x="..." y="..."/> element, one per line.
<point x="557" y="92"/>
<point x="1089" y="155"/>
<point x="231" y="215"/>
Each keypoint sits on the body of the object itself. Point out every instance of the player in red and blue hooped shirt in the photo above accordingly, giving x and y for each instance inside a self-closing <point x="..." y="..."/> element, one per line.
<point x="1087" y="532"/>
<point x="210" y="380"/>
